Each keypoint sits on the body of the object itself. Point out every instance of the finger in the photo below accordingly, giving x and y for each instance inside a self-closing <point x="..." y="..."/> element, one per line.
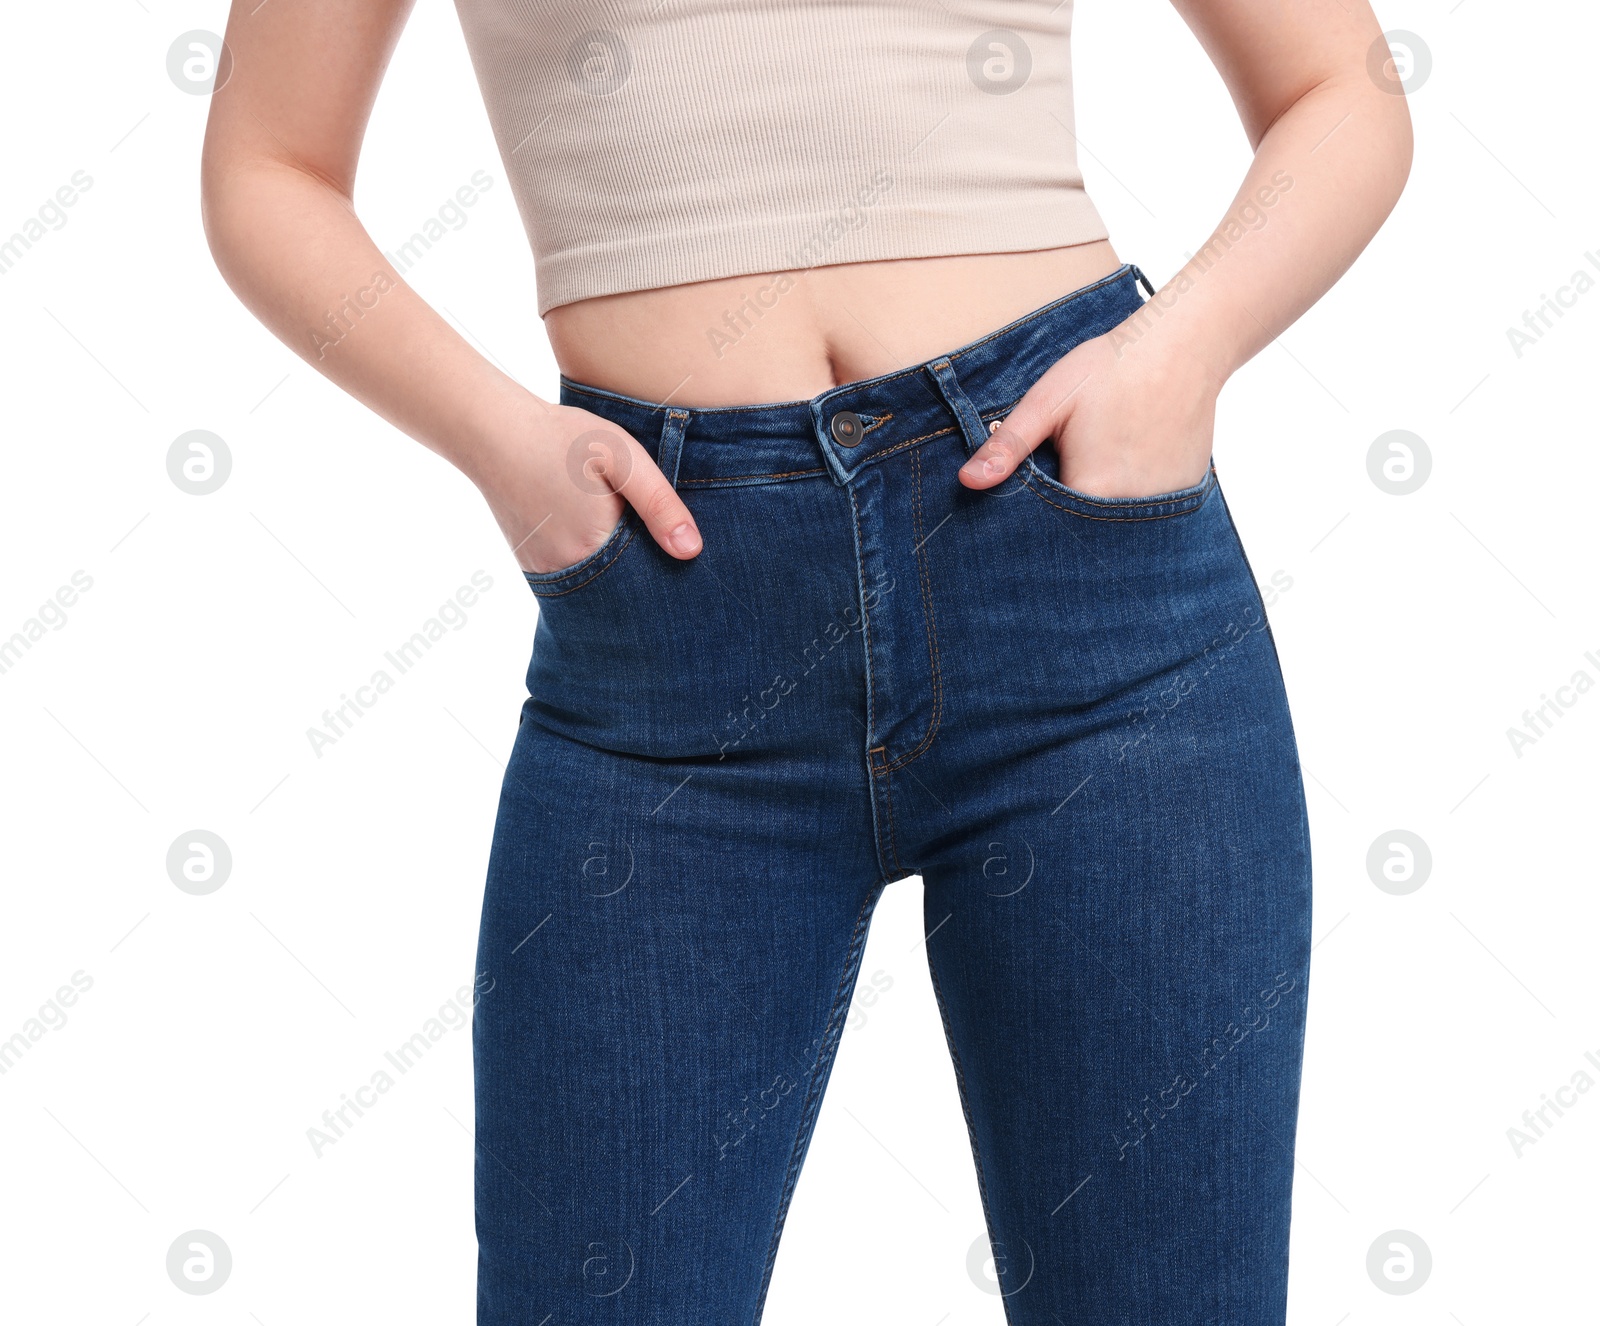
<point x="647" y="491"/>
<point x="1008" y="446"/>
<point x="1038" y="415"/>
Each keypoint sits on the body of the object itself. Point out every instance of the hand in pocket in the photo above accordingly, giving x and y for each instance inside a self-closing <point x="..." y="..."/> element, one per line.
<point x="1124" y="425"/>
<point x="559" y="491"/>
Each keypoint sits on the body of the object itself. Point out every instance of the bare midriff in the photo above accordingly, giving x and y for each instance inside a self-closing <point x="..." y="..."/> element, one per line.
<point x="786" y="336"/>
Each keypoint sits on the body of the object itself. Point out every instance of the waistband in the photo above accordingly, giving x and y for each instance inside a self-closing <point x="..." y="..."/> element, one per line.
<point x="735" y="444"/>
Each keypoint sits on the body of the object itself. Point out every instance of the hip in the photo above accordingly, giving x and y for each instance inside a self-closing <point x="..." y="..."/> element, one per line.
<point x="852" y="591"/>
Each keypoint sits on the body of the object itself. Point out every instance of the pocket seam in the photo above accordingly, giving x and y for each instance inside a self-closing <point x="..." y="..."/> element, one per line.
<point x="1185" y="502"/>
<point x="543" y="583"/>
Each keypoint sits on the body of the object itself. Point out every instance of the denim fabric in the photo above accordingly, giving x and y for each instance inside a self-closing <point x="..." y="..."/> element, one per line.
<point x="1063" y="712"/>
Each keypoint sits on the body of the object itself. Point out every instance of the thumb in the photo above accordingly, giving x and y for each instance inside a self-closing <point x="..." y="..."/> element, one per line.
<point x="647" y="490"/>
<point x="1039" y="414"/>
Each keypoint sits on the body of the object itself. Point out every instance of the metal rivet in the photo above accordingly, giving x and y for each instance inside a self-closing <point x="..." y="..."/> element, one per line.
<point x="846" y="429"/>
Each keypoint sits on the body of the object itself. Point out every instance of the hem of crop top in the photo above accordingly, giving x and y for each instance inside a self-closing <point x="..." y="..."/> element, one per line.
<point x="1064" y="219"/>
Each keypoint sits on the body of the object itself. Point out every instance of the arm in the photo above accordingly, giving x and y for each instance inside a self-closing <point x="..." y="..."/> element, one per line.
<point x="1132" y="412"/>
<point x="277" y="179"/>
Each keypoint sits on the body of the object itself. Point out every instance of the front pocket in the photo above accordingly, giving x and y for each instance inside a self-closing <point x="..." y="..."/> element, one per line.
<point x="1162" y="506"/>
<point x="569" y="579"/>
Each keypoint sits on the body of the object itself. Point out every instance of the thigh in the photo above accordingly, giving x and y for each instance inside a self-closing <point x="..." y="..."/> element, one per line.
<point x="665" y="961"/>
<point x="1127" y="1032"/>
<point x="1120" y="941"/>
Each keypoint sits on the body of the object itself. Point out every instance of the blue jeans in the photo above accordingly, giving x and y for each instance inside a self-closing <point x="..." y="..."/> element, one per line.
<point x="1063" y="712"/>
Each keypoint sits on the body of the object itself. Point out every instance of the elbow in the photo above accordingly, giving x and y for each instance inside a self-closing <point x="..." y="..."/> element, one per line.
<point x="1390" y="140"/>
<point x="1394" y="145"/>
<point x="239" y="189"/>
<point x="217" y="169"/>
<point x="1405" y="147"/>
<point x="241" y="192"/>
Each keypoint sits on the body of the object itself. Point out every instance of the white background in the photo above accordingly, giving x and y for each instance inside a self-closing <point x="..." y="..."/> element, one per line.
<point x="1416" y="631"/>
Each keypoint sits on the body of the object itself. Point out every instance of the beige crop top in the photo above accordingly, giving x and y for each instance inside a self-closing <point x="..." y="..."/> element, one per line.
<point x="656" y="142"/>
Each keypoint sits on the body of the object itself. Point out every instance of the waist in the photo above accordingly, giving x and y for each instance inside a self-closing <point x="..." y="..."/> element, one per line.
<point x="788" y="335"/>
<point x="845" y="427"/>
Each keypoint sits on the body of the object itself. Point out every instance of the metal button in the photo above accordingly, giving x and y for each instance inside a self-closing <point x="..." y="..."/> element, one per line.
<point x="846" y="429"/>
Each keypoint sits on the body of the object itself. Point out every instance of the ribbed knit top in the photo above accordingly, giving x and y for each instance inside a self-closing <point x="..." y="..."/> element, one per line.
<point x="656" y="142"/>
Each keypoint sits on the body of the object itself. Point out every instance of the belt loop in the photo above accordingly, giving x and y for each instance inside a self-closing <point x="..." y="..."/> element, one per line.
<point x="1143" y="279"/>
<point x="670" y="450"/>
<point x="973" y="433"/>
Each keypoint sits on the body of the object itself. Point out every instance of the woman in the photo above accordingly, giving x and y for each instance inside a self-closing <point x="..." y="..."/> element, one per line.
<point x="874" y="534"/>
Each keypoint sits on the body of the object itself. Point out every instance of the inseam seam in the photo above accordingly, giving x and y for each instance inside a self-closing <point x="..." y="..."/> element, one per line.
<point x="966" y="1113"/>
<point x="819" y="1074"/>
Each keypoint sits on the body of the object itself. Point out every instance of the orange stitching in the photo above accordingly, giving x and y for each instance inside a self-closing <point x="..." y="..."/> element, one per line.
<point x="894" y="844"/>
<point x="610" y="562"/>
<point x="866" y="613"/>
<point x="932" y="631"/>
<point x="733" y="478"/>
<point x="1112" y="503"/>
<point x="1199" y="499"/>
<point x="910" y="442"/>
